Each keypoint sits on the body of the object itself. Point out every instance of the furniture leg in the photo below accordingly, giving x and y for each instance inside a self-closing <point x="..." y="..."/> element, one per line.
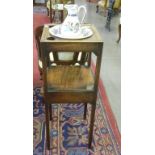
<point x="119" y="33"/>
<point x="97" y="7"/>
<point x="41" y="76"/>
<point x="50" y="111"/>
<point x="48" y="12"/>
<point x="85" y="111"/>
<point x="89" y="60"/>
<point x="105" y="12"/>
<point x="47" y="125"/>
<point x="61" y="16"/>
<point x="91" y="125"/>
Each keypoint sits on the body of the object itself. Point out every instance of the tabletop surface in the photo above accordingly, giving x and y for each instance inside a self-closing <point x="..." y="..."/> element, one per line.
<point x="95" y="38"/>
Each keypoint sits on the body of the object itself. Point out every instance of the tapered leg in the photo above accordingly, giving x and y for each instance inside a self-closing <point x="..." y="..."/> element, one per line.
<point x="119" y="33"/>
<point x="41" y="76"/>
<point x="51" y="14"/>
<point x="47" y="125"/>
<point x="91" y="125"/>
<point x="61" y="16"/>
<point x="50" y="111"/>
<point x="41" y="72"/>
<point x="85" y="111"/>
<point x="48" y="12"/>
<point x="97" y="7"/>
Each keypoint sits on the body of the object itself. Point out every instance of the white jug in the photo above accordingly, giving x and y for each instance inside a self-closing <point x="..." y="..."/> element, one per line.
<point x="71" y="23"/>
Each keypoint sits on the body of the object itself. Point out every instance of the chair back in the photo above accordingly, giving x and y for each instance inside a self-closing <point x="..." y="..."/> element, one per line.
<point x="38" y="33"/>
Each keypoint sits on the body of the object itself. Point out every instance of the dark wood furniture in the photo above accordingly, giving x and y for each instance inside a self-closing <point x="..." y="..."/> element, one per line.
<point x="77" y="58"/>
<point x="35" y="3"/>
<point x="56" y="9"/>
<point x="119" y="33"/>
<point x="102" y="4"/>
<point x="37" y="33"/>
<point x="67" y="83"/>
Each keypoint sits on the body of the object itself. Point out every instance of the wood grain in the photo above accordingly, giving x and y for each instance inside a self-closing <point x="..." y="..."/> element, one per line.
<point x="69" y="77"/>
<point x="69" y="82"/>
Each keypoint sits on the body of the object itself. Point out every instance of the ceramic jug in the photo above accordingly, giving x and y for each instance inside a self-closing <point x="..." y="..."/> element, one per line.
<point x="72" y="23"/>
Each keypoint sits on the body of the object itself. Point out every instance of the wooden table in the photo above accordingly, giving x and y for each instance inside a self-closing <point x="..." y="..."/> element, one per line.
<point x="93" y="44"/>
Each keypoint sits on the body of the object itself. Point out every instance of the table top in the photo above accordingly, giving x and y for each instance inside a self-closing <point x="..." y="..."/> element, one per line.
<point x="95" y="38"/>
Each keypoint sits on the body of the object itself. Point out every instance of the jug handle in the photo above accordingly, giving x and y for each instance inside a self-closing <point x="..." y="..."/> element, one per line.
<point x="85" y="11"/>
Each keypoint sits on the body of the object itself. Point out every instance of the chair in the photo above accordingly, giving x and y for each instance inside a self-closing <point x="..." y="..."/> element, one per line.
<point x="67" y="82"/>
<point x="104" y="4"/>
<point x="109" y="15"/>
<point x="39" y="3"/>
<point x="38" y="33"/>
<point x="56" y="9"/>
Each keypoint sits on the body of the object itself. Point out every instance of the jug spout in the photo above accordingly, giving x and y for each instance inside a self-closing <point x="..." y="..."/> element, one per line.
<point x="72" y="9"/>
